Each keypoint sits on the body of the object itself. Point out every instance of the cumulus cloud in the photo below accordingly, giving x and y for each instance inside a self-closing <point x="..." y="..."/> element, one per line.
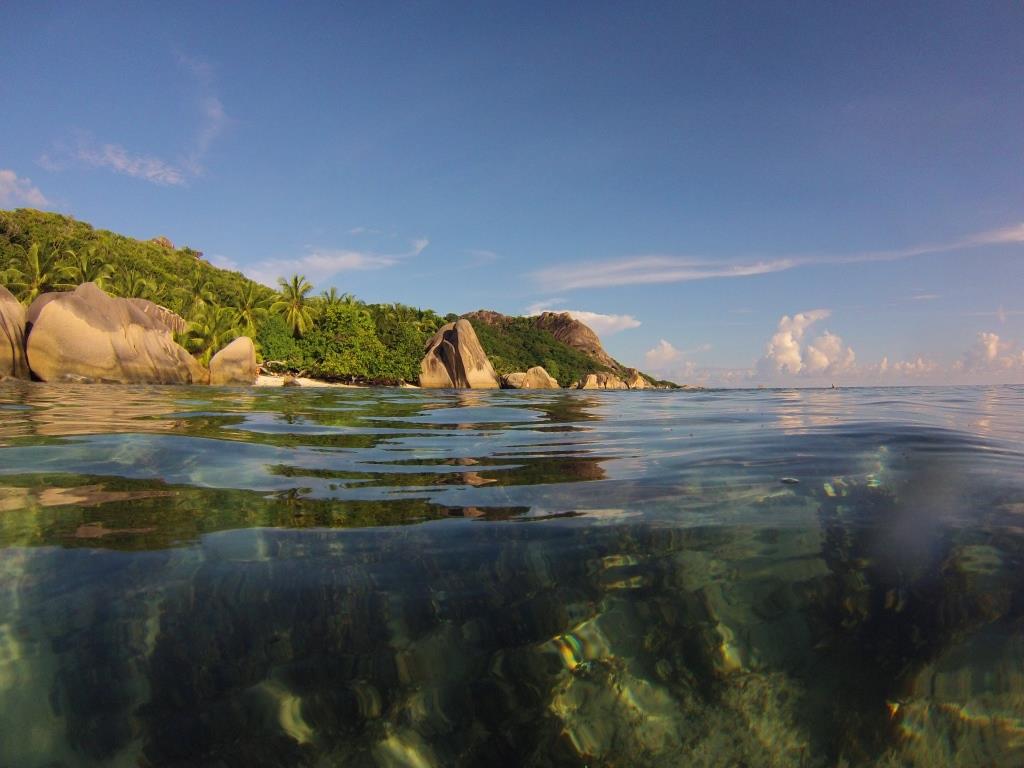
<point x="320" y="264"/>
<point x="991" y="354"/>
<point x="667" y="268"/>
<point x="661" y="355"/>
<point x="602" y="324"/>
<point x="787" y="353"/>
<point x="19" y="191"/>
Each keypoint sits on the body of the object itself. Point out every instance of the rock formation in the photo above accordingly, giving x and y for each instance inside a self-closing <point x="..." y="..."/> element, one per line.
<point x="175" y="323"/>
<point x="87" y="335"/>
<point x="636" y="380"/>
<point x="534" y="378"/>
<point x="235" y="364"/>
<point x="12" y="337"/>
<point x="575" y="334"/>
<point x="454" y="358"/>
<point x="601" y="381"/>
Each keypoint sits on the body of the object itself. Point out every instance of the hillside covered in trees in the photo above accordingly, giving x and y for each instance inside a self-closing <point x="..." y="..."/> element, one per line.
<point x="332" y="336"/>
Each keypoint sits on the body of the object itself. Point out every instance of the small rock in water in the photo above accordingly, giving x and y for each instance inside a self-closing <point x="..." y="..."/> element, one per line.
<point x="788" y="480"/>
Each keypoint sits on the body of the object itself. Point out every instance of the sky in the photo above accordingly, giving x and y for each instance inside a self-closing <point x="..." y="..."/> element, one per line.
<point x="729" y="193"/>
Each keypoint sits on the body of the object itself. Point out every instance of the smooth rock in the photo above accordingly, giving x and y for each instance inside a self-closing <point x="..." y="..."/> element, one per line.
<point x="601" y="381"/>
<point x="88" y="335"/>
<point x="534" y="378"/>
<point x="454" y="358"/>
<point x="235" y="364"/>
<point x="175" y="323"/>
<point x="12" y="337"/>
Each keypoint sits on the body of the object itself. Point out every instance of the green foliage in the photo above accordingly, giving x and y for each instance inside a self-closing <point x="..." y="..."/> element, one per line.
<point x="516" y="345"/>
<point x="343" y="343"/>
<point x="212" y="329"/>
<point x="294" y="303"/>
<point x="172" y="276"/>
<point x="404" y="331"/>
<point x="277" y="345"/>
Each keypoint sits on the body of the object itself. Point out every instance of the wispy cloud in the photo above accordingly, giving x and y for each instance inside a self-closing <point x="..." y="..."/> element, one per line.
<point x="319" y="265"/>
<point x="659" y="268"/>
<point x="19" y="191"/>
<point x="120" y="160"/>
<point x="213" y="119"/>
<point x="600" y="323"/>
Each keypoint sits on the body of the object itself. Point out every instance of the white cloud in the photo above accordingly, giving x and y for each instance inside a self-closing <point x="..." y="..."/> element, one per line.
<point x="601" y="324"/>
<point x="784" y="353"/>
<point x="828" y="354"/>
<point x="213" y="119"/>
<point x="662" y="355"/>
<point x="120" y="160"/>
<point x="320" y="264"/>
<point x="991" y="354"/>
<point x="660" y="268"/>
<point x="19" y="191"/>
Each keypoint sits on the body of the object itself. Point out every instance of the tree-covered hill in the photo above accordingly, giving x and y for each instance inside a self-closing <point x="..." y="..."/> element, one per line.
<point x="331" y="335"/>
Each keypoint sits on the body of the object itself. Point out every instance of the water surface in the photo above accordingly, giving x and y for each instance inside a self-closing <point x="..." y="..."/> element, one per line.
<point x="237" y="577"/>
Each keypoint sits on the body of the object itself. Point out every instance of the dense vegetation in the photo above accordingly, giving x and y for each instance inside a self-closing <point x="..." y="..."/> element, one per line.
<point x="331" y="336"/>
<point x="517" y="344"/>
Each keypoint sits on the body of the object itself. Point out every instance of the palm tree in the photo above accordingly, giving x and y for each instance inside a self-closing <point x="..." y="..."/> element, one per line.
<point x="212" y="328"/>
<point x="35" y="273"/>
<point x="199" y="294"/>
<point x="86" y="268"/>
<point x="253" y="307"/>
<point x="294" y="304"/>
<point x="331" y="298"/>
<point x="132" y="284"/>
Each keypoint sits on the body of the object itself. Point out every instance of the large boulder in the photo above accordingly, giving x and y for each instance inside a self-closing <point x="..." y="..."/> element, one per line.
<point x="235" y="364"/>
<point x="636" y="380"/>
<point x="87" y="335"/>
<point x="175" y="323"/>
<point x="601" y="381"/>
<point x="534" y="378"/>
<point x="12" y="337"/>
<point x="455" y="358"/>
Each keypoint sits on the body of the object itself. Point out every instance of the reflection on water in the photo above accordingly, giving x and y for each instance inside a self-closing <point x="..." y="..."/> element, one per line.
<point x="204" y="577"/>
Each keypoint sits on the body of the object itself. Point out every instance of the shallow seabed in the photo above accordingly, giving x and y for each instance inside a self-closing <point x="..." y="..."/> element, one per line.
<point x="218" y="577"/>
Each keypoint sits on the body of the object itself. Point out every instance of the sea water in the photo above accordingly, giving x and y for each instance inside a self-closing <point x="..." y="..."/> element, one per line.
<point x="384" y="577"/>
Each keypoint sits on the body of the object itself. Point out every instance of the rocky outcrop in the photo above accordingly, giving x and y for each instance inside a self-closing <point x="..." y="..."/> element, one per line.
<point x="575" y="334"/>
<point x="175" y="323"/>
<point x="635" y="380"/>
<point x="87" y="335"/>
<point x="601" y="381"/>
<point x="454" y="358"/>
<point x="12" y="337"/>
<point x="534" y="378"/>
<point x="235" y="364"/>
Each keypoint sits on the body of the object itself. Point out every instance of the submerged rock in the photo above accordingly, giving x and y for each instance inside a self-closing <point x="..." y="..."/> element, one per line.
<point x="235" y="364"/>
<point x="534" y="378"/>
<point x="87" y="335"/>
<point x="455" y="358"/>
<point x="12" y="337"/>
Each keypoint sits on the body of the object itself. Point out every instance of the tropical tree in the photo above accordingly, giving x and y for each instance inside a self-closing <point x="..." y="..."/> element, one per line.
<point x="35" y="272"/>
<point x="132" y="284"/>
<point x="332" y="298"/>
<point x="252" y="308"/>
<point x="85" y="267"/>
<point x="212" y="328"/>
<point x="198" y="294"/>
<point x="293" y="303"/>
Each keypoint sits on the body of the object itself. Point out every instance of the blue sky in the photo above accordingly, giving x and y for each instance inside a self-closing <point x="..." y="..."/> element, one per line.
<point x="737" y="192"/>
